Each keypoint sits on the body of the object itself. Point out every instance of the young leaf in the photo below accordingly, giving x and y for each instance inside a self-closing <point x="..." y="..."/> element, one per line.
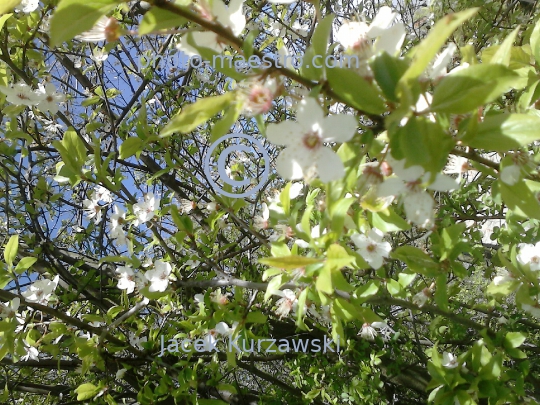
<point x="428" y="48"/>
<point x="504" y="132"/>
<point x="316" y="52"/>
<point x="130" y="146"/>
<point x="195" y="114"/>
<point x="158" y="19"/>
<point x="388" y="71"/>
<point x="24" y="264"/>
<point x="289" y="262"/>
<point x="535" y="42"/>
<point x="362" y="95"/>
<point x="502" y="56"/>
<point x="11" y="249"/>
<point x="8" y="5"/>
<point x="463" y="91"/>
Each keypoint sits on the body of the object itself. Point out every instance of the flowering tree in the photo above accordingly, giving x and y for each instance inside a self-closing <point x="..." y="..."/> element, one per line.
<point x="389" y="253"/>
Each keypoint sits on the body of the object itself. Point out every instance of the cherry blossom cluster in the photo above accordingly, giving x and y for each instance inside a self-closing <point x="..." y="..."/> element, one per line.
<point x="45" y="98"/>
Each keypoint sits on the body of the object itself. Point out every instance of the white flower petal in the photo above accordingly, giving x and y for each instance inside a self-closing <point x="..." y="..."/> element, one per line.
<point x="338" y="128"/>
<point x="285" y="133"/>
<point x="329" y="166"/>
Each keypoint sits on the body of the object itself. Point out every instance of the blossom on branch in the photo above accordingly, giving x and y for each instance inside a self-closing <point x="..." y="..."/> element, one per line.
<point x="159" y="277"/>
<point x="305" y="155"/>
<point x="371" y="247"/>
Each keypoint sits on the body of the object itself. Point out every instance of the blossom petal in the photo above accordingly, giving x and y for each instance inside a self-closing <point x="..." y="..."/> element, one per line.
<point x="443" y="183"/>
<point x="329" y="166"/>
<point x="285" y="133"/>
<point x="391" y="40"/>
<point x="382" y="21"/>
<point x="309" y="112"/>
<point x="338" y="128"/>
<point x="290" y="164"/>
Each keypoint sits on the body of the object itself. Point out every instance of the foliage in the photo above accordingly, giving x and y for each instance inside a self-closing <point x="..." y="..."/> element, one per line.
<point x="400" y="221"/>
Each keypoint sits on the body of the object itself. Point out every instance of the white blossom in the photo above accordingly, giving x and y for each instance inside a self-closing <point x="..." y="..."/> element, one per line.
<point x="457" y="165"/>
<point x="105" y="29"/>
<point x="117" y="231"/>
<point x="10" y="311"/>
<point x="120" y="373"/>
<point x="21" y="94"/>
<point x="418" y="204"/>
<point x="369" y="332"/>
<point x="213" y="206"/>
<point x="127" y="278"/>
<point x="371" y="247"/>
<point x="257" y="95"/>
<point x="27" y="6"/>
<point x="186" y="206"/>
<point x="31" y="352"/>
<point x="358" y="37"/>
<point x="50" y="98"/>
<point x="449" y="360"/>
<point x="305" y="154"/>
<point x="102" y="194"/>
<point x="261" y="221"/>
<point x="159" y="277"/>
<point x="503" y="277"/>
<point x="529" y="255"/>
<point x="438" y="67"/>
<point x="287" y="303"/>
<point x="40" y="291"/>
<point x="230" y="16"/>
<point x="93" y="210"/>
<point x="145" y="210"/>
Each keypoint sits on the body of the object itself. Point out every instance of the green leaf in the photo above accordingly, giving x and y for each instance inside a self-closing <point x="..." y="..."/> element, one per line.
<point x="324" y="280"/>
<point x="337" y="257"/>
<point x="513" y="340"/>
<point x="362" y="95"/>
<point x="24" y="264"/>
<point x="130" y="146"/>
<point x="86" y="391"/>
<point x="520" y="199"/>
<point x="393" y="287"/>
<point x="337" y="212"/>
<point x="289" y="262"/>
<point x="3" y="19"/>
<point x="405" y="279"/>
<point x="193" y="115"/>
<point x="8" y="5"/>
<point x="416" y="260"/>
<point x="502" y="56"/>
<point x="72" y="150"/>
<point x="388" y="221"/>
<point x="367" y="290"/>
<point x="422" y="142"/>
<point x="11" y="249"/>
<point x="223" y="125"/>
<point x="467" y="89"/>
<point x="441" y="292"/>
<point x="504" y="132"/>
<point x="428" y="48"/>
<point x="316" y="52"/>
<point x="256" y="317"/>
<point x="535" y="42"/>
<point x="272" y="287"/>
<point x="73" y="17"/>
<point x="388" y="71"/>
<point x="158" y="19"/>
